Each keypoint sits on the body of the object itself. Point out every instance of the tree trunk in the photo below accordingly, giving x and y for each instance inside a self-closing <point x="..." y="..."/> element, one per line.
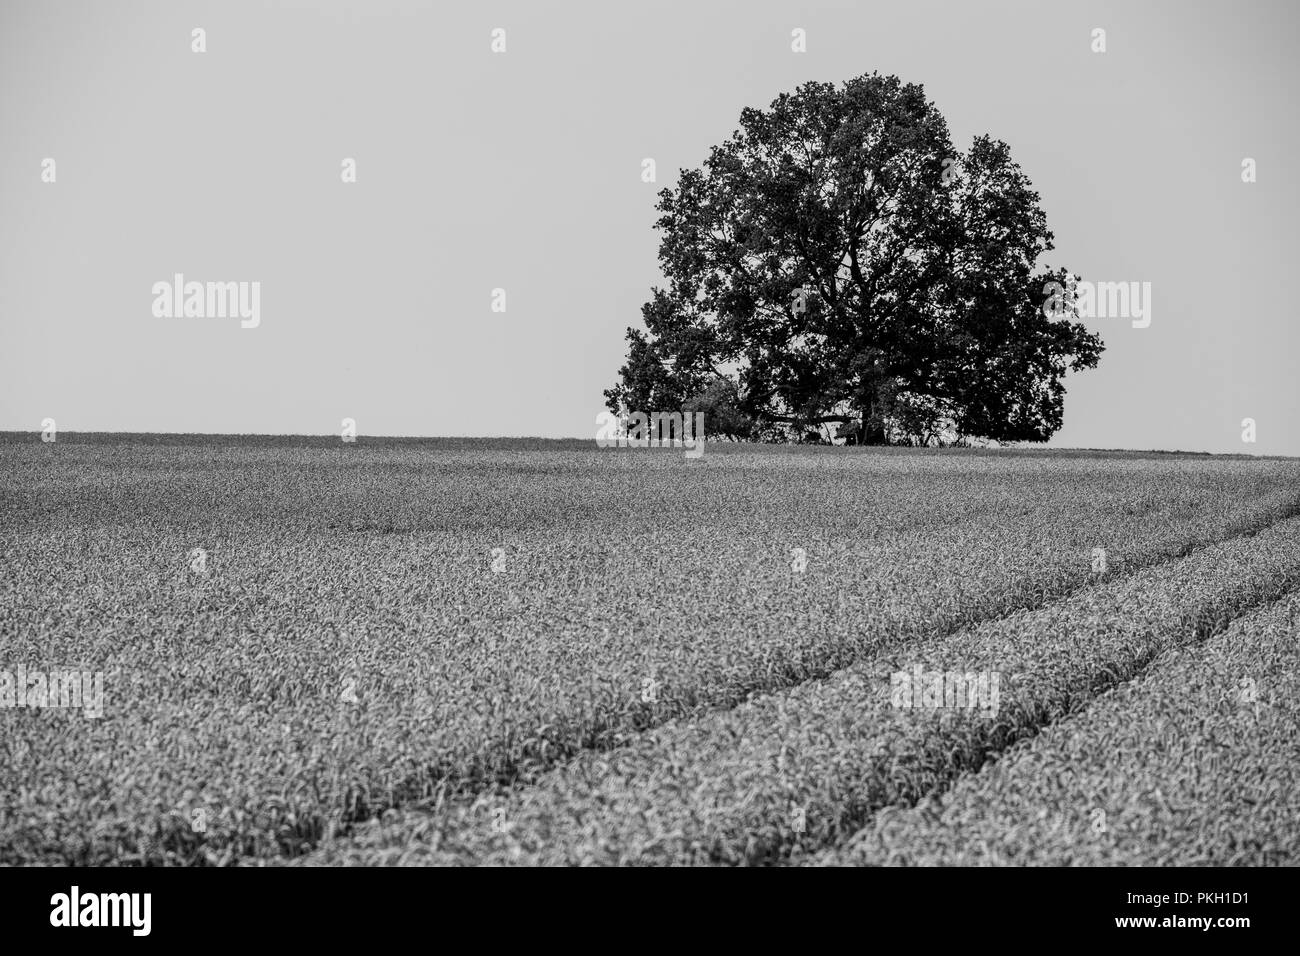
<point x="873" y="430"/>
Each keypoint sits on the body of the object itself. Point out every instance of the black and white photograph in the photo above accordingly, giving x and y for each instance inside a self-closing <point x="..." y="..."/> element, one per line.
<point x="687" y="434"/>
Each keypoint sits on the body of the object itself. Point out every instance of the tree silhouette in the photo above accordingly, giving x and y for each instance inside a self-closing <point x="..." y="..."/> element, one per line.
<point x="837" y="262"/>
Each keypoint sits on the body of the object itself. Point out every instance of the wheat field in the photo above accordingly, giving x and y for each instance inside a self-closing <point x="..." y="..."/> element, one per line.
<point x="497" y="652"/>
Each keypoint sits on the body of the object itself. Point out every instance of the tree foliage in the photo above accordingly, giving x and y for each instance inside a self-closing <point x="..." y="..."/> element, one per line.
<point x="837" y="261"/>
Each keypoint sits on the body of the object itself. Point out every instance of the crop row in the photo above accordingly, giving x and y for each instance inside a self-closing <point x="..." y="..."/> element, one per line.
<point x="793" y="772"/>
<point x="1196" y="763"/>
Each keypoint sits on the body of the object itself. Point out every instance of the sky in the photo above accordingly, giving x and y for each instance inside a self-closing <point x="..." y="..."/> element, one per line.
<point x="521" y="171"/>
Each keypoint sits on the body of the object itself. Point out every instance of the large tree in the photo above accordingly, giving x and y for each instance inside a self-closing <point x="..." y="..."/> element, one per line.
<point x="836" y="261"/>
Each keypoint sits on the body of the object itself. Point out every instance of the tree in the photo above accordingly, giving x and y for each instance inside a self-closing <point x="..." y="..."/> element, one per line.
<point x="836" y="261"/>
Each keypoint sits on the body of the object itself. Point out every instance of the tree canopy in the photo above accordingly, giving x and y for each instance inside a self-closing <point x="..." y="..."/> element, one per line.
<point x="836" y="262"/>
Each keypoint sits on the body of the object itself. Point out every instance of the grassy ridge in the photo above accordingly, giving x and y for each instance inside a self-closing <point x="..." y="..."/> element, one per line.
<point x="723" y="789"/>
<point x="1196" y="763"/>
<point x="349" y="648"/>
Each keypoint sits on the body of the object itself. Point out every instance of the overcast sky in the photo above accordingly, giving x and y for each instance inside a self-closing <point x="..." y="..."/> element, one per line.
<point x="522" y="171"/>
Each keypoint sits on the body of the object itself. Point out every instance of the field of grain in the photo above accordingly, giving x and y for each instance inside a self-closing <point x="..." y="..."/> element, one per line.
<point x="463" y="651"/>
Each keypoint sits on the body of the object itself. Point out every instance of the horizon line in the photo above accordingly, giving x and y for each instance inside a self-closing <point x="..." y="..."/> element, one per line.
<point x="993" y="447"/>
